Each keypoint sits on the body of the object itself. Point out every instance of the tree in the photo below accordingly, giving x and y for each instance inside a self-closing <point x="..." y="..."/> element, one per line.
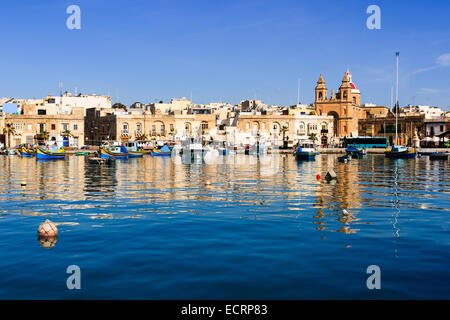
<point x="313" y="137"/>
<point x="133" y="106"/>
<point x="9" y="130"/>
<point x="118" y="105"/>
<point x="67" y="133"/>
<point x="141" y="137"/>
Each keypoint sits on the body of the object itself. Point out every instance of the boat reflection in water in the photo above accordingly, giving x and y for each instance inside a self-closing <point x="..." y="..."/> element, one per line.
<point x="146" y="220"/>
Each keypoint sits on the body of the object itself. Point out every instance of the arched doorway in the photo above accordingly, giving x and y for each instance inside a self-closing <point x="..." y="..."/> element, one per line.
<point x="335" y="122"/>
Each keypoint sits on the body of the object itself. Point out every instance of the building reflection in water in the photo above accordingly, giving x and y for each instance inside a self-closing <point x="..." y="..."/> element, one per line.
<point x="265" y="187"/>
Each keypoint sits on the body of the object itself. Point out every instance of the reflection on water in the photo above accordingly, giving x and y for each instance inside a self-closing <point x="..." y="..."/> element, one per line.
<point x="381" y="197"/>
<point x="162" y="186"/>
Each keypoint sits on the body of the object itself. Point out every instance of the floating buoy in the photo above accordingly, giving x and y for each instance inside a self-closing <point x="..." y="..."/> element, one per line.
<point x="23" y="183"/>
<point x="47" y="229"/>
<point x="344" y="211"/>
<point x="318" y="177"/>
<point x="331" y="175"/>
<point x="208" y="182"/>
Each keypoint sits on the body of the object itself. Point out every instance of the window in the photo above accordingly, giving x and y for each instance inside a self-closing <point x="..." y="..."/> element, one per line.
<point x="54" y="127"/>
<point x="138" y="128"/>
<point x="163" y="129"/>
<point x="41" y="112"/>
<point x="171" y="127"/>
<point x="75" y="127"/>
<point x="30" y="127"/>
<point x="18" y="126"/>
<point x="204" y="125"/>
<point x="345" y="95"/>
<point x="64" y="125"/>
<point x="247" y="125"/>
<point x="263" y="125"/>
<point x="441" y="128"/>
<point x="125" y="128"/>
<point x="320" y="95"/>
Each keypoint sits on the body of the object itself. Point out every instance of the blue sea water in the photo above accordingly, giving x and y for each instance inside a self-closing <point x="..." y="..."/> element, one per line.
<point x="243" y="228"/>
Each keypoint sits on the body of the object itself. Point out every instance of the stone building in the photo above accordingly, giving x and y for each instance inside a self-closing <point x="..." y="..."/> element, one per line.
<point x="344" y="106"/>
<point x="384" y="126"/>
<point x="31" y="127"/>
<point x="319" y="126"/>
<point x="110" y="124"/>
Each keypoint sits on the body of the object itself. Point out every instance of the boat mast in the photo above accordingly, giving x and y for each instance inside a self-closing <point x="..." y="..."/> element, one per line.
<point x="396" y="105"/>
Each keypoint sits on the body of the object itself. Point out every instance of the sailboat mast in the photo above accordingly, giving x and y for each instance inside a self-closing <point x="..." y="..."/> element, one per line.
<point x="396" y="105"/>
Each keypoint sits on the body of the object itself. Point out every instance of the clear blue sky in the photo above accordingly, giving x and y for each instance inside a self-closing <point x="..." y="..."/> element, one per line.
<point x="225" y="50"/>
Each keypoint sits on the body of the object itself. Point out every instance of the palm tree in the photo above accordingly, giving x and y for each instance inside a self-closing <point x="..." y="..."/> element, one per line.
<point x="9" y="130"/>
<point x="67" y="133"/>
<point x="313" y="137"/>
<point x="141" y="136"/>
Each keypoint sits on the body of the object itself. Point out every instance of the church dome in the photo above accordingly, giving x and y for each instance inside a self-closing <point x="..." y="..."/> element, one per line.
<point x="352" y="85"/>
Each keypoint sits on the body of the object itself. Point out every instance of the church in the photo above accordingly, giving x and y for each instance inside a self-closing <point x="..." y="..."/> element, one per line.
<point x="344" y="106"/>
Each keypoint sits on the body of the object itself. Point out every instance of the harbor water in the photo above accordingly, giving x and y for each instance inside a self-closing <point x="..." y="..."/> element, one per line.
<point x="244" y="227"/>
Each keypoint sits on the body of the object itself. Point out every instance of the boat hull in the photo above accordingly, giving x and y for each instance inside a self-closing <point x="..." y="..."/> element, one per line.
<point x="158" y="153"/>
<point x="135" y="154"/>
<point x="27" y="153"/>
<point x="400" y="155"/>
<point x="105" y="154"/>
<point x="43" y="154"/>
<point x="306" y="156"/>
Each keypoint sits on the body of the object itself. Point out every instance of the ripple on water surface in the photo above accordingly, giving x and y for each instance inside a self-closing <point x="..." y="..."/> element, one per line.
<point x="244" y="227"/>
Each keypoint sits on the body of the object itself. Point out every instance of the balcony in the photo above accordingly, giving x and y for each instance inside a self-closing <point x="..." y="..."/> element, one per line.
<point x="324" y="131"/>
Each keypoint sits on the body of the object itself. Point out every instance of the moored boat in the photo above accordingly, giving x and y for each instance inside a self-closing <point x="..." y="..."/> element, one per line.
<point x="47" y="154"/>
<point x="355" y="152"/>
<point x="164" y="151"/>
<point x="346" y="158"/>
<point x="400" y="152"/>
<point x="119" y="152"/>
<point x="133" y="149"/>
<point x="306" y="151"/>
<point x="27" y="152"/>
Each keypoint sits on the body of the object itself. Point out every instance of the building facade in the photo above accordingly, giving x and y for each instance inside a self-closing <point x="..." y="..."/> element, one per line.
<point x="344" y="107"/>
<point x="31" y="127"/>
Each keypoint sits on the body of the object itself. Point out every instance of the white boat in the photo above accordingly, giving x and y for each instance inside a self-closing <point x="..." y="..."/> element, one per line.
<point x="306" y="151"/>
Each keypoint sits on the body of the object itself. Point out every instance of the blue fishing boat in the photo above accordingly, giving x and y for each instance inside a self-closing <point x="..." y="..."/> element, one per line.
<point x="164" y="151"/>
<point x="306" y="151"/>
<point x="48" y="154"/>
<point x="346" y="158"/>
<point x="355" y="152"/>
<point x="27" y="152"/>
<point x="133" y="150"/>
<point x="400" y="152"/>
<point x="119" y="152"/>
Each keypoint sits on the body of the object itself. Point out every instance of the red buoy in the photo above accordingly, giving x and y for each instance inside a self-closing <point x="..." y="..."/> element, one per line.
<point x="318" y="177"/>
